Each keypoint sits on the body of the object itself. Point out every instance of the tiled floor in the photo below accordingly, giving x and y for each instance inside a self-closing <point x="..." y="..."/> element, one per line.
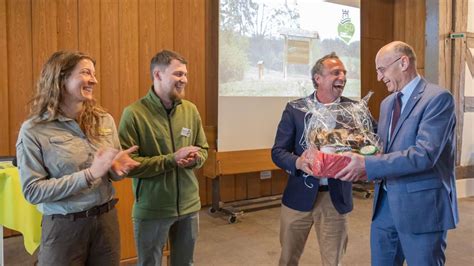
<point x="253" y="240"/>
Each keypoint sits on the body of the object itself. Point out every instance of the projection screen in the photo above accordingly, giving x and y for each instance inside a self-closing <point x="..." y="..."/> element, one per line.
<point x="266" y="51"/>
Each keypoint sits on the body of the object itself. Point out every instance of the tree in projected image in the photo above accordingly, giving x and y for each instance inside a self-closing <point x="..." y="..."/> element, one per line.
<point x="256" y="18"/>
<point x="232" y="55"/>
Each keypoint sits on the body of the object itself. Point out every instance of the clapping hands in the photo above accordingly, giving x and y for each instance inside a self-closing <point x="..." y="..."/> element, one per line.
<point x="102" y="162"/>
<point x="122" y="163"/>
<point x="186" y="156"/>
<point x="110" y="158"/>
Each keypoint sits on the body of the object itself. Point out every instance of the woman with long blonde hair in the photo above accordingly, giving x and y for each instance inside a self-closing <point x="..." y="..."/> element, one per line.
<point x="68" y="153"/>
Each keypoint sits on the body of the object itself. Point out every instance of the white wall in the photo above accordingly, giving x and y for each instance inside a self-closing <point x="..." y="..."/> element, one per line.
<point x="467" y="150"/>
<point x="248" y="123"/>
<point x="470" y="15"/>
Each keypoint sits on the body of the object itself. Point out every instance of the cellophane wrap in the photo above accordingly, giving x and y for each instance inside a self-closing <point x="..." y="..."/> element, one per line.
<point x="334" y="128"/>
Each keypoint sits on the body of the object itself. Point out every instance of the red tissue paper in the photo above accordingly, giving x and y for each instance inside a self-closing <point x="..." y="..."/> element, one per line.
<point x="328" y="165"/>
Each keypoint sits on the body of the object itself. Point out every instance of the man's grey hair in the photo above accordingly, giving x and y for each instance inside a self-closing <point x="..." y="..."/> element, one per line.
<point x="319" y="66"/>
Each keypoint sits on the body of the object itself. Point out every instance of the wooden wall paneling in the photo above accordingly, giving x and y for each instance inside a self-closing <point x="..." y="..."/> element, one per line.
<point x="196" y="88"/>
<point x="129" y="54"/>
<point x="197" y="56"/>
<point x="211" y="136"/>
<point x="279" y="179"/>
<point x="110" y="58"/>
<point x="20" y="65"/>
<point x="212" y="62"/>
<point x="190" y="15"/>
<point x="377" y="19"/>
<point x="202" y="186"/>
<point x="418" y="23"/>
<point x="182" y="20"/>
<point x="265" y="186"/>
<point x="246" y="161"/>
<point x="190" y="43"/>
<point x="165" y="25"/>
<point x="399" y="19"/>
<point x="110" y="95"/>
<point x="209" y="166"/>
<point x="421" y="71"/>
<point x="67" y="25"/>
<point x="227" y="188"/>
<point x="147" y="43"/>
<point x="444" y="52"/>
<point x="124" y="212"/>
<point x="44" y="33"/>
<point x="240" y="187"/>
<point x="409" y="26"/>
<point x="365" y="17"/>
<point x="253" y="186"/>
<point x="8" y="232"/>
<point x="89" y="36"/>
<point x="4" y="104"/>
<point x="377" y="30"/>
<point x="227" y="183"/>
<point x="369" y="50"/>
<point x="128" y="77"/>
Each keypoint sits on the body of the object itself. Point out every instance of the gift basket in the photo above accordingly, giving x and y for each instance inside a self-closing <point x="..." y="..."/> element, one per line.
<point x="331" y="129"/>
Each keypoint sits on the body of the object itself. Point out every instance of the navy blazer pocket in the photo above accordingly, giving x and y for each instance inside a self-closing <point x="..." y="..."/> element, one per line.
<point x="424" y="185"/>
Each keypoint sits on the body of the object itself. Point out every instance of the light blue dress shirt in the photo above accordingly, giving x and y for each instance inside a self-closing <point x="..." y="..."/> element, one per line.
<point x="407" y="92"/>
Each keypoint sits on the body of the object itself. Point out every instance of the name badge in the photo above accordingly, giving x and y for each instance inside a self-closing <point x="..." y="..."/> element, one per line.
<point x="186" y="132"/>
<point x="105" y="131"/>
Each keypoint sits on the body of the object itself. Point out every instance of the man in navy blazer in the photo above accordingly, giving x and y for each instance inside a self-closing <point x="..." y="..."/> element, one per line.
<point x="415" y="194"/>
<point x="323" y="202"/>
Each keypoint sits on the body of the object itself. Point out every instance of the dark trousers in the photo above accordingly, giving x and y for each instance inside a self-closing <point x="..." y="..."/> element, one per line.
<point x="85" y="241"/>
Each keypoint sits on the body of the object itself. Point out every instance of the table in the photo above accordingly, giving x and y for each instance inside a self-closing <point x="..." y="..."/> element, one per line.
<point x="238" y="162"/>
<point x="15" y="212"/>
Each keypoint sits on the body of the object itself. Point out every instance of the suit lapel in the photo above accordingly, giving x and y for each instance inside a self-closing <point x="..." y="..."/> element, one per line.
<point x="414" y="98"/>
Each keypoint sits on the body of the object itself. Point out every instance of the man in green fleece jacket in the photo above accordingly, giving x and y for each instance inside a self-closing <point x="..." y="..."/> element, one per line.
<point x="169" y="132"/>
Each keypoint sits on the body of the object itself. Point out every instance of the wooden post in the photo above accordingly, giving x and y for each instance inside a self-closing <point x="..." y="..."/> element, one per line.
<point x="457" y="68"/>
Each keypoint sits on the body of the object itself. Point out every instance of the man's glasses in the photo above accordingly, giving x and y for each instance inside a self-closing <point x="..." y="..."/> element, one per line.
<point x="381" y="70"/>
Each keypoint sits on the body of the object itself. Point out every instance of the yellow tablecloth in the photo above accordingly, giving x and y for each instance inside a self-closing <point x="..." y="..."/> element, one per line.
<point x="15" y="212"/>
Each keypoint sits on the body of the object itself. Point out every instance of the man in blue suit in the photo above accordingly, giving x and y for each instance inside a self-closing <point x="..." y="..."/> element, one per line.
<point x="415" y="194"/>
<point x="323" y="202"/>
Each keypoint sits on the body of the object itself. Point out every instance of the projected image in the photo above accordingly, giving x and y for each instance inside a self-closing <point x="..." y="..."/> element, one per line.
<point x="267" y="47"/>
